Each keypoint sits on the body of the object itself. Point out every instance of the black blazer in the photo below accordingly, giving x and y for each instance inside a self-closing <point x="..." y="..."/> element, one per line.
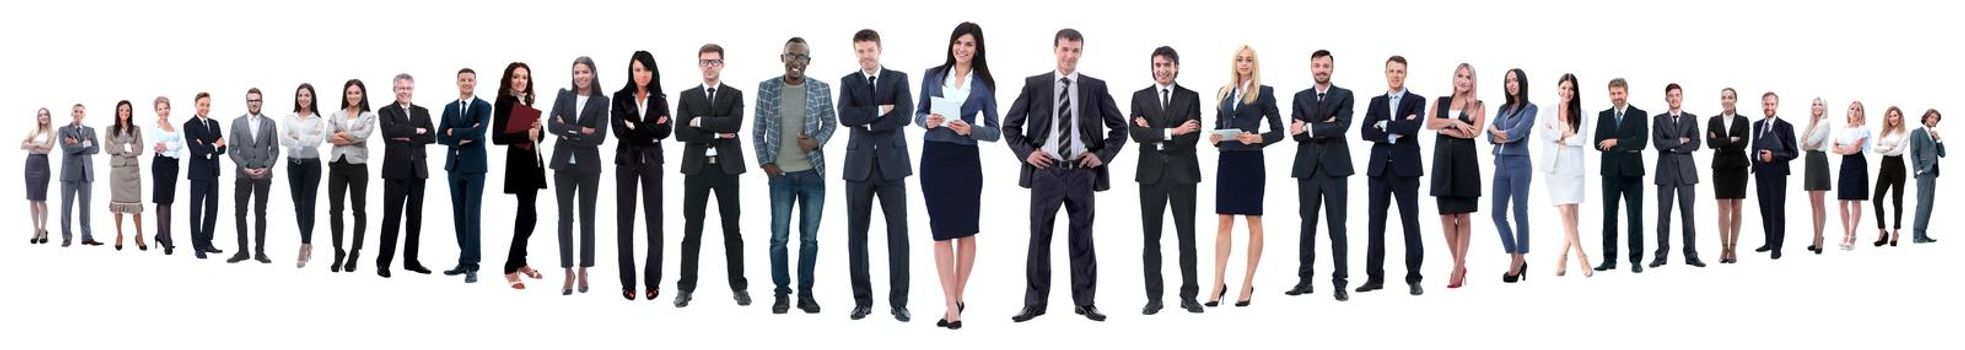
<point x="1780" y="141"/>
<point x="1322" y="147"/>
<point x="404" y="157"/>
<point x="577" y="152"/>
<point x="1627" y="159"/>
<point x="1400" y="158"/>
<point x="725" y="115"/>
<point x="1161" y="158"/>
<point x="458" y="127"/>
<point x="641" y="144"/>
<point x="524" y="169"/>
<point x="874" y="136"/>
<point x="1029" y="123"/>
<point x="199" y="136"/>
<point x="1728" y="154"/>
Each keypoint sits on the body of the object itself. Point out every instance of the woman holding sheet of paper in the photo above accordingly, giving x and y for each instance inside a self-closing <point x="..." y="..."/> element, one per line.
<point x="1239" y="173"/>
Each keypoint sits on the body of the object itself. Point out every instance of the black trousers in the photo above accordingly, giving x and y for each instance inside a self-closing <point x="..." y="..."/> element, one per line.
<point x="696" y="190"/>
<point x="1071" y="190"/>
<point x="401" y="197"/>
<point x="648" y="177"/>
<point x="527" y="218"/>
<point x="254" y="191"/>
<point x="1631" y="188"/>
<point x="1384" y="189"/>
<point x="347" y="182"/>
<point x="860" y="196"/>
<point x="204" y="213"/>
<point x="1329" y="193"/>
<point x="1153" y="201"/>
<point x="304" y="181"/>
<point x="1773" y="195"/>
<point x="1890" y="176"/>
<point x="587" y="188"/>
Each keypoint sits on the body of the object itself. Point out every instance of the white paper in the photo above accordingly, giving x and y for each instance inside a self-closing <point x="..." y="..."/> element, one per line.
<point x="948" y="108"/>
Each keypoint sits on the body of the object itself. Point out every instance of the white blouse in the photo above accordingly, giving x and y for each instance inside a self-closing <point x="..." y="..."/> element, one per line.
<point x="1891" y="144"/>
<point x="1816" y="139"/>
<point x="1859" y="136"/>
<point x="173" y="140"/>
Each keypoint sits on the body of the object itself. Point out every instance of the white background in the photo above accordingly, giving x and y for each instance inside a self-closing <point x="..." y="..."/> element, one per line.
<point x="96" y="53"/>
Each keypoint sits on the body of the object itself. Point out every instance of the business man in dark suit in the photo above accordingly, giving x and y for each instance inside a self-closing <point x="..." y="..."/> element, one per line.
<point x="640" y="121"/>
<point x="79" y="145"/>
<point x="258" y="149"/>
<point x="1053" y="127"/>
<point x="1391" y="123"/>
<point x="1675" y="134"/>
<point x="1167" y="123"/>
<point x="1773" y="148"/>
<point x="876" y="105"/>
<point x="1927" y="146"/>
<point x="712" y="158"/>
<point x="207" y="141"/>
<point x="1320" y="116"/>
<point x="462" y="131"/>
<point x="406" y="130"/>
<point x="1621" y="135"/>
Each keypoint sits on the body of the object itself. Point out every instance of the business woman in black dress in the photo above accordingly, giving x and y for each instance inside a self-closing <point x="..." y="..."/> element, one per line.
<point x="525" y="174"/>
<point x="1727" y="135"/>
<point x="951" y="163"/>
<point x="1456" y="165"/>
<point x="1240" y="172"/>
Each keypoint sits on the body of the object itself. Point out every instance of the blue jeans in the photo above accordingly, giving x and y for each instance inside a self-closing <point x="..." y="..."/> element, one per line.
<point x="807" y="190"/>
<point x="1511" y="176"/>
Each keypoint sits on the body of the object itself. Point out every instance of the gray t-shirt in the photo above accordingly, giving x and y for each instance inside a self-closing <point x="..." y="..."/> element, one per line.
<point x="791" y="123"/>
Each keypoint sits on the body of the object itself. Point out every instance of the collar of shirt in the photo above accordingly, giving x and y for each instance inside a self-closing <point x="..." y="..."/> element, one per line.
<point x="1073" y="76"/>
<point x="872" y="74"/>
<point x="1167" y="89"/>
<point x="1396" y="94"/>
<point x="1620" y="109"/>
<point x="464" y="102"/>
<point x="1321" y="89"/>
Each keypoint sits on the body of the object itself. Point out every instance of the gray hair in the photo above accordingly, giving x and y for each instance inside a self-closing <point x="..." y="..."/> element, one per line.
<point x="405" y="77"/>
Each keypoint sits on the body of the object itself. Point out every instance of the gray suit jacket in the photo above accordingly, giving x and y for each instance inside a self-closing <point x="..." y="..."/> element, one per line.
<point x="1675" y="165"/>
<point x="1924" y="153"/>
<point x="254" y="151"/>
<point x="78" y="161"/>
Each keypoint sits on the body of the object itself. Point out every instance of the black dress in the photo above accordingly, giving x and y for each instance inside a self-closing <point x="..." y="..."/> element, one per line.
<point x="1730" y="162"/>
<point x="1240" y="174"/>
<point x="1456" y="167"/>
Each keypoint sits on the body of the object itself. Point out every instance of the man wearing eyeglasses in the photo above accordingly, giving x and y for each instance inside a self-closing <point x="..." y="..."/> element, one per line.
<point x="793" y="121"/>
<point x="257" y="148"/>
<point x="710" y="117"/>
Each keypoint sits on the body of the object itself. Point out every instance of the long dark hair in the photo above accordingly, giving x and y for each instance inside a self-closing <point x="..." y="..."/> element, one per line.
<point x="505" y="84"/>
<point x="1519" y="99"/>
<point x="1575" y="106"/>
<point x="314" y="104"/>
<point x="593" y="84"/>
<point x="123" y="127"/>
<point x="647" y="60"/>
<point x="981" y="63"/>
<point x="352" y="83"/>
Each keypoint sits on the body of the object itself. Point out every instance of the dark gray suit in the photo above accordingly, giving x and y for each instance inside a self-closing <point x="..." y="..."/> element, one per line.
<point x="1676" y="174"/>
<point x="877" y="166"/>
<point x="1033" y="123"/>
<point x="1323" y="162"/>
<point x="576" y="168"/>
<point x="1924" y="154"/>
<point x="252" y="151"/>
<point x="1168" y="174"/>
<point x="78" y="175"/>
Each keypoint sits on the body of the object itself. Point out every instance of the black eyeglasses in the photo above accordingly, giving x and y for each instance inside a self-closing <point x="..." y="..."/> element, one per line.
<point x="796" y="57"/>
<point x="710" y="63"/>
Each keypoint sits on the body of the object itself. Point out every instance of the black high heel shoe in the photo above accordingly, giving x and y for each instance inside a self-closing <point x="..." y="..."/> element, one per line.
<point x="1245" y="302"/>
<point x="1217" y="297"/>
<point x="1522" y="273"/>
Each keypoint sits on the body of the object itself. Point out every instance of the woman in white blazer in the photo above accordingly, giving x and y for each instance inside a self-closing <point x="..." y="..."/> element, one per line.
<point x="1562" y="131"/>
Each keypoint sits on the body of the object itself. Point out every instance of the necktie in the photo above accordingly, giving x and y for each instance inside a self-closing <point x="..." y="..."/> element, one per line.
<point x="463" y="109"/>
<point x="873" y="85"/>
<point x="1320" y="97"/>
<point x="1064" y="118"/>
<point x="1620" y="120"/>
<point x="712" y="95"/>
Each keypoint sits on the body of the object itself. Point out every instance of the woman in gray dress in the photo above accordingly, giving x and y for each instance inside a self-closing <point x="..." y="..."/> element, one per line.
<point x="125" y="174"/>
<point x="38" y="144"/>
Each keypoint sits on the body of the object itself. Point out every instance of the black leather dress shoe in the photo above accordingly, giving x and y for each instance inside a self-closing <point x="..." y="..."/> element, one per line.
<point x="860" y="312"/>
<point x="1301" y="289"/>
<point x="1341" y="296"/>
<point x="1152" y="307"/>
<point x="1371" y="286"/>
<point x="1416" y="290"/>
<point x="1191" y="305"/>
<point x="1090" y="312"/>
<point x="682" y="299"/>
<point x="1028" y="313"/>
<point x="901" y="314"/>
